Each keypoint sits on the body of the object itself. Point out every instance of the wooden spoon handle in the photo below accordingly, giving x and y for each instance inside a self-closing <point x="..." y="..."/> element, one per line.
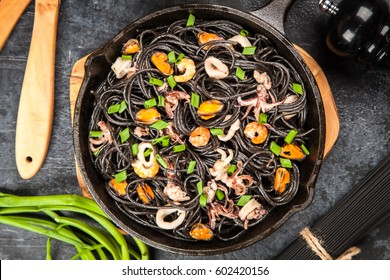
<point x="10" y="11"/>
<point x="35" y="114"/>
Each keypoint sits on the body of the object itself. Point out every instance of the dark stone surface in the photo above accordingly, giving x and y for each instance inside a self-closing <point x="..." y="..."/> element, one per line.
<point x="362" y="97"/>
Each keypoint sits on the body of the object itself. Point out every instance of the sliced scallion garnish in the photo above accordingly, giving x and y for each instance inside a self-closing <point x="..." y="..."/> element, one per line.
<point x="240" y="73"/>
<point x="127" y="57"/>
<point x="203" y="200"/>
<point x="96" y="153"/>
<point x="199" y="187"/>
<point x="249" y="50"/>
<point x="159" y="125"/>
<point x="244" y="199"/>
<point x="263" y="117"/>
<point x="179" y="148"/>
<point x="216" y="131"/>
<point x="122" y="107"/>
<point x="171" y="81"/>
<point x="134" y="149"/>
<point x="285" y="162"/>
<point x="148" y="152"/>
<point x="195" y="100"/>
<point x="160" y="139"/>
<point x="161" y="101"/>
<point x="290" y="136"/>
<point x="190" y="20"/>
<point x="171" y="57"/>
<point x="219" y="194"/>
<point x="156" y="82"/>
<point x="191" y="166"/>
<point x="305" y="150"/>
<point x="297" y="88"/>
<point x="121" y="176"/>
<point x="165" y="142"/>
<point x="275" y="148"/>
<point x="161" y="161"/>
<point x="124" y="135"/>
<point x="244" y="32"/>
<point x="95" y="134"/>
<point x="114" y="108"/>
<point x="150" y="103"/>
<point x="231" y="169"/>
<point x="179" y="58"/>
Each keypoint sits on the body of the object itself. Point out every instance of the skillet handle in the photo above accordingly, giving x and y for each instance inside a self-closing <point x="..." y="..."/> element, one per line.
<point x="274" y="13"/>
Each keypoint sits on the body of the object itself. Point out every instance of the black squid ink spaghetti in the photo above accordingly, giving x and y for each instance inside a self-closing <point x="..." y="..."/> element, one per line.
<point x="198" y="129"/>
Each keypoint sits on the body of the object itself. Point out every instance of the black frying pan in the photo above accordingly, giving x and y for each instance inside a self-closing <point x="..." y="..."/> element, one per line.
<point x="270" y="21"/>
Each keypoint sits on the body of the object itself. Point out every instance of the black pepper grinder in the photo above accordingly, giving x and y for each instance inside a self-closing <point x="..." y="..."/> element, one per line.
<point x="359" y="28"/>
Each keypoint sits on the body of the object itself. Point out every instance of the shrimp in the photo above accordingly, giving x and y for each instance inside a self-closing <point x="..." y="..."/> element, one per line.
<point x="199" y="137"/>
<point x="187" y="66"/>
<point x="256" y="132"/>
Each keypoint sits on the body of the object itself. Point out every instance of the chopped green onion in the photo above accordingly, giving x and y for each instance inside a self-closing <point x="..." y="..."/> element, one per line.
<point x="297" y="88"/>
<point x="263" y="117"/>
<point x="195" y="99"/>
<point x="240" y="73"/>
<point x="285" y="162"/>
<point x="156" y="82"/>
<point x="171" y="81"/>
<point x="244" y="32"/>
<point x="249" y="50"/>
<point x="95" y="134"/>
<point x="275" y="148"/>
<point x="244" y="199"/>
<point x="290" y="136"/>
<point x="203" y="200"/>
<point x="124" y="134"/>
<point x="127" y="57"/>
<point x="219" y="194"/>
<point x="231" y="169"/>
<point x="216" y="131"/>
<point x="121" y="176"/>
<point x="150" y="103"/>
<point x="114" y="108"/>
<point x="190" y="20"/>
<point x="161" y="161"/>
<point x="199" y="186"/>
<point x="179" y="148"/>
<point x="96" y="153"/>
<point x="148" y="152"/>
<point x="165" y="142"/>
<point x="159" y="125"/>
<point x="122" y="107"/>
<point x="160" y="139"/>
<point x="171" y="57"/>
<point x="161" y="101"/>
<point x="191" y="166"/>
<point x="179" y="58"/>
<point x="134" y="149"/>
<point x="305" y="150"/>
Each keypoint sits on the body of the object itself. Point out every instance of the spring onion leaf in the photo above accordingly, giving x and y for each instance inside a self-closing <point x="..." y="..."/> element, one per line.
<point x="160" y="139"/>
<point x="285" y="162"/>
<point x="249" y="50"/>
<point x="203" y="200"/>
<point x="156" y="82"/>
<point x="171" y="81"/>
<point x="95" y="134"/>
<point x="244" y="32"/>
<point x="297" y="88"/>
<point x="305" y="150"/>
<point x="134" y="149"/>
<point x="290" y="136"/>
<point x="159" y="125"/>
<point x="275" y="148"/>
<point x="190" y="20"/>
<point x="199" y="186"/>
<point x="216" y="131"/>
<point x="231" y="169"/>
<point x="114" y="108"/>
<point x="165" y="142"/>
<point x="122" y="107"/>
<point x="96" y="153"/>
<point x="161" y="161"/>
<point x="244" y="200"/>
<point x="150" y="103"/>
<point x="121" y="176"/>
<point x="219" y="194"/>
<point x="263" y="117"/>
<point x="171" y="57"/>
<point x="161" y="101"/>
<point x="195" y="100"/>
<point x="179" y="148"/>
<point x="124" y="134"/>
<point x="127" y="57"/>
<point x="148" y="152"/>
<point x="179" y="58"/>
<point x="240" y="73"/>
<point x="191" y="166"/>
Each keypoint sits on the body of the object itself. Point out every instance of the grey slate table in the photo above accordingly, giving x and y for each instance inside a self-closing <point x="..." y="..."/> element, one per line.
<point x="362" y="97"/>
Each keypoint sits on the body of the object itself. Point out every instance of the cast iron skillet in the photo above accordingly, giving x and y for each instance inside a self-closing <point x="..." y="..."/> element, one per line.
<point x="269" y="21"/>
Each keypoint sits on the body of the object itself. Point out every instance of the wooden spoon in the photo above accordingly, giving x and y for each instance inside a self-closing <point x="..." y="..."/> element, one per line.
<point x="35" y="114"/>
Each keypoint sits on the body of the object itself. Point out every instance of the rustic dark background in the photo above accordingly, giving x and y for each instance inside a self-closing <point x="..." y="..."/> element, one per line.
<point x="362" y="96"/>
